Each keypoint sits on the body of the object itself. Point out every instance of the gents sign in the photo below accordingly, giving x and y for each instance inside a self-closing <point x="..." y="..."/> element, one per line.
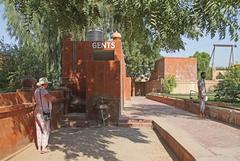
<point x="103" y="45"/>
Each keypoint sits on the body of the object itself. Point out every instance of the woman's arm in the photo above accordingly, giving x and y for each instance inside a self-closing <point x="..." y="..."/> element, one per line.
<point x="49" y="97"/>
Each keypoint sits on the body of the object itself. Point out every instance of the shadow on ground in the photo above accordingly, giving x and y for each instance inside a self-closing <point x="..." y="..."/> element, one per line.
<point x="158" y="110"/>
<point x="91" y="142"/>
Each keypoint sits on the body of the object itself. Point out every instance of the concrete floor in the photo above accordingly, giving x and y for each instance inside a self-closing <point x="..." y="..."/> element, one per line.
<point x="205" y="139"/>
<point x="102" y="144"/>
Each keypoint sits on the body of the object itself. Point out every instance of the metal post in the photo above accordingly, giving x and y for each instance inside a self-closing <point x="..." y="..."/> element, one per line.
<point x="212" y="56"/>
<point x="231" y="59"/>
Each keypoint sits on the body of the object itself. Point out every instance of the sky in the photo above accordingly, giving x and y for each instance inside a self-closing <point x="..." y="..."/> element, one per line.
<point x="3" y="28"/>
<point x="204" y="44"/>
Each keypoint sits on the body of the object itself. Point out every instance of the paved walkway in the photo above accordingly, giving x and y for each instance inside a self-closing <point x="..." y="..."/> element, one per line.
<point x="207" y="140"/>
<point x="99" y="144"/>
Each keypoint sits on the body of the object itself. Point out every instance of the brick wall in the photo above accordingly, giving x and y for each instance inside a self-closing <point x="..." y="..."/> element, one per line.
<point x="99" y="82"/>
<point x="229" y="116"/>
<point x="128" y="88"/>
<point x="153" y="86"/>
<point x="17" y="128"/>
<point x="88" y="78"/>
<point x="184" y="70"/>
<point x="182" y="87"/>
<point x="140" y="88"/>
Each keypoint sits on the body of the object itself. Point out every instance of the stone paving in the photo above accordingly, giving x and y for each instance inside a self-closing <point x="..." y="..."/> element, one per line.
<point x="99" y="144"/>
<point x="205" y="139"/>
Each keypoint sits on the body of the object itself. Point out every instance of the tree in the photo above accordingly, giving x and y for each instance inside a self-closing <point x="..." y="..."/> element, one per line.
<point x="139" y="61"/>
<point x="203" y="60"/>
<point x="166" y="19"/>
<point x="155" y="24"/>
<point x="168" y="84"/>
<point x="7" y="64"/>
<point x="38" y="47"/>
<point x="228" y="89"/>
<point x="18" y="62"/>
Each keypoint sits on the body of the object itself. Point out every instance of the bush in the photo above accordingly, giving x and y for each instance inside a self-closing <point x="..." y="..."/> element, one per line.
<point x="203" y="60"/>
<point x="168" y="84"/>
<point x="228" y="89"/>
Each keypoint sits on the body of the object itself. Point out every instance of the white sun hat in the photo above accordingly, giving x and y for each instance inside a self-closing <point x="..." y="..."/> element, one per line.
<point x="42" y="81"/>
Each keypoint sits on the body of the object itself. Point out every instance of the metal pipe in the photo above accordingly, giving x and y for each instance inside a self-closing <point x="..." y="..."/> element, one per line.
<point x="212" y="56"/>
<point x="225" y="45"/>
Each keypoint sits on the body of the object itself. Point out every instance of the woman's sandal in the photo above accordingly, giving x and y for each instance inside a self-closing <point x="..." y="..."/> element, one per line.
<point x="44" y="151"/>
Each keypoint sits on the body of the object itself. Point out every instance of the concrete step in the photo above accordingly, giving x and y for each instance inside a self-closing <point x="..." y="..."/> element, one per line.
<point x="135" y="123"/>
<point x="76" y="123"/>
<point x="75" y="116"/>
<point x="75" y="120"/>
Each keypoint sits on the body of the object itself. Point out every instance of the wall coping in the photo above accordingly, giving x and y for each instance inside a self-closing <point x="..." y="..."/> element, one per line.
<point x="225" y="115"/>
<point x="219" y="105"/>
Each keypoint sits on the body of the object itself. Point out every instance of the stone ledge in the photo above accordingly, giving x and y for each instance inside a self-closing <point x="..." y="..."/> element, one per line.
<point x="229" y="116"/>
<point x="130" y="122"/>
<point x="185" y="147"/>
<point x="181" y="152"/>
<point x="162" y="131"/>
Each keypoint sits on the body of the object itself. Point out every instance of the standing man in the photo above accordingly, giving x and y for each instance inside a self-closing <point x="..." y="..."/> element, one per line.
<point x="202" y="94"/>
<point x="42" y="114"/>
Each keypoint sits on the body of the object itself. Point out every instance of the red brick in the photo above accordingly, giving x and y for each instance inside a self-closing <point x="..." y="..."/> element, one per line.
<point x="17" y="127"/>
<point x="88" y="78"/>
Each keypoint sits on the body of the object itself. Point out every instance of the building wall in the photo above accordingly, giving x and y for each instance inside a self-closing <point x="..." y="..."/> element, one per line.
<point x="184" y="70"/>
<point x="185" y="87"/>
<point x="128" y="88"/>
<point x="140" y="88"/>
<point x="153" y="86"/>
<point x="88" y="78"/>
<point x="182" y="87"/>
<point x="216" y="72"/>
<point x="103" y="80"/>
<point x="188" y="86"/>
<point x="158" y="71"/>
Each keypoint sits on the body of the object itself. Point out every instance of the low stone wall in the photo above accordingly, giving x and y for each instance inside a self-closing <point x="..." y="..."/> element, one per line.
<point x="179" y="103"/>
<point x="184" y="87"/>
<point x="17" y="127"/>
<point x="229" y="116"/>
<point x="182" y="153"/>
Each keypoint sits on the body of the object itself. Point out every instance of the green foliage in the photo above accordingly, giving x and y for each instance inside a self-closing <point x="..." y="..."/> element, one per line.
<point x="147" y="26"/>
<point x="26" y="64"/>
<point x="38" y="52"/>
<point x="138" y="61"/>
<point x="169" y="83"/>
<point x="203" y="60"/>
<point x="229" y="88"/>
<point x="170" y="18"/>
<point x="7" y="64"/>
<point x="217" y="16"/>
<point x="18" y="62"/>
